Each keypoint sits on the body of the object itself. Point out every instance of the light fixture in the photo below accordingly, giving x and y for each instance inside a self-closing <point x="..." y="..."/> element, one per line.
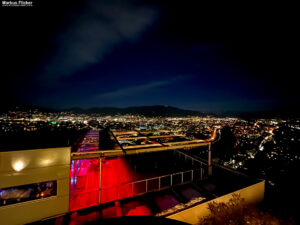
<point x="18" y="165"/>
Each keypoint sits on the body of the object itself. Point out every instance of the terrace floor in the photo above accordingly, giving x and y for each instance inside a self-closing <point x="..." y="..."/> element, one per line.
<point x="161" y="203"/>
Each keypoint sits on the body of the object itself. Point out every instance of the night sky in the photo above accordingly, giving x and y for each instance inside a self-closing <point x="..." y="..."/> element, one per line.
<point x="187" y="54"/>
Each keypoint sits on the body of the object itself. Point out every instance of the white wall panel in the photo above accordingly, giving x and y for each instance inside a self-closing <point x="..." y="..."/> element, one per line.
<point x="34" y="166"/>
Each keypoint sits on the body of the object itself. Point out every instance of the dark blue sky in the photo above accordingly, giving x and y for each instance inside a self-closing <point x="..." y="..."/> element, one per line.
<point x="130" y="53"/>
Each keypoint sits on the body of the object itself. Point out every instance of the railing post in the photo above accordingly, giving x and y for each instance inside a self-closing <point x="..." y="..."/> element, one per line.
<point x="171" y="180"/>
<point x="132" y="189"/>
<point x="201" y="171"/>
<point x="181" y="177"/>
<point x="146" y="186"/>
<point x="100" y="174"/>
<point x="192" y="175"/>
<point x="159" y="183"/>
<point x="117" y="192"/>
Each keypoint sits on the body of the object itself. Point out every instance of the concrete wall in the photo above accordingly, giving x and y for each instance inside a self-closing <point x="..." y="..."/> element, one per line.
<point x="252" y="195"/>
<point x="34" y="166"/>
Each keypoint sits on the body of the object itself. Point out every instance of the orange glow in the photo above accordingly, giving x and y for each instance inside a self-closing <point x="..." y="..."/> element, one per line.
<point x="19" y="163"/>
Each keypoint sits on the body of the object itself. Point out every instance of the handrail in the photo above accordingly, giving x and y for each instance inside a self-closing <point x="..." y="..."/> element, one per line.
<point x="151" y="187"/>
<point x="192" y="157"/>
<point x="204" y="161"/>
<point x="153" y="178"/>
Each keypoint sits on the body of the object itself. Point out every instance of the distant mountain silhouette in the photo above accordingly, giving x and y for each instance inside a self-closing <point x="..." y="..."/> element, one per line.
<point x="160" y="110"/>
<point x="149" y="111"/>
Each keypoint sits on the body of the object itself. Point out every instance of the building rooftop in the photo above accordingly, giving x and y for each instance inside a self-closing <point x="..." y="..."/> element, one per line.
<point x="149" y="183"/>
<point x="158" y="140"/>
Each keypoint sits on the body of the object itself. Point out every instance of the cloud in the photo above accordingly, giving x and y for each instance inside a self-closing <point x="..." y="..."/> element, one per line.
<point x="133" y="90"/>
<point x="97" y="30"/>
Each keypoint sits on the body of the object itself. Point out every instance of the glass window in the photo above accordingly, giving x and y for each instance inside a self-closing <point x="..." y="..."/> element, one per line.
<point x="27" y="192"/>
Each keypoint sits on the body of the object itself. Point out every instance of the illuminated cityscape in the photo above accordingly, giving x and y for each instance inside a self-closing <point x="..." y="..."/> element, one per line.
<point x="103" y="146"/>
<point x="276" y="138"/>
<point x="149" y="112"/>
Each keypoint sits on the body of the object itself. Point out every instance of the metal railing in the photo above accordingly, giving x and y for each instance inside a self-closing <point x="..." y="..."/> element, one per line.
<point x="141" y="187"/>
<point x="186" y="157"/>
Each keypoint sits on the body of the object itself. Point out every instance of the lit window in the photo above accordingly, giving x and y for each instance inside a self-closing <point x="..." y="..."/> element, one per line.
<point x="27" y="192"/>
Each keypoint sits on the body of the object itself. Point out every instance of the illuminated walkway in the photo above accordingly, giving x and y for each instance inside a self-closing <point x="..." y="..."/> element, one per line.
<point x="90" y="142"/>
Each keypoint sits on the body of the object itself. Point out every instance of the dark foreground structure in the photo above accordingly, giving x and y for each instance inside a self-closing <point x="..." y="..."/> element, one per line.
<point x="86" y="185"/>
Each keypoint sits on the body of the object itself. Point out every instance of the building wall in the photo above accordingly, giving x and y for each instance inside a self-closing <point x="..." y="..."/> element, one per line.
<point x="35" y="166"/>
<point x="253" y="194"/>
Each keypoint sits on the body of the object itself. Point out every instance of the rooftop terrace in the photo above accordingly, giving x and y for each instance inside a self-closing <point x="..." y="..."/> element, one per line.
<point x="160" y="193"/>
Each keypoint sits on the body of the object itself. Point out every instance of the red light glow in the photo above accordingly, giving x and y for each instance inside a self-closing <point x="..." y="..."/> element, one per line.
<point x="84" y="187"/>
<point x="116" y="172"/>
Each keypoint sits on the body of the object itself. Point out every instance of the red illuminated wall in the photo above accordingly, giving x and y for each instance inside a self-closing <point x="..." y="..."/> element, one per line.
<point x="116" y="172"/>
<point x="85" y="179"/>
<point x="84" y="184"/>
